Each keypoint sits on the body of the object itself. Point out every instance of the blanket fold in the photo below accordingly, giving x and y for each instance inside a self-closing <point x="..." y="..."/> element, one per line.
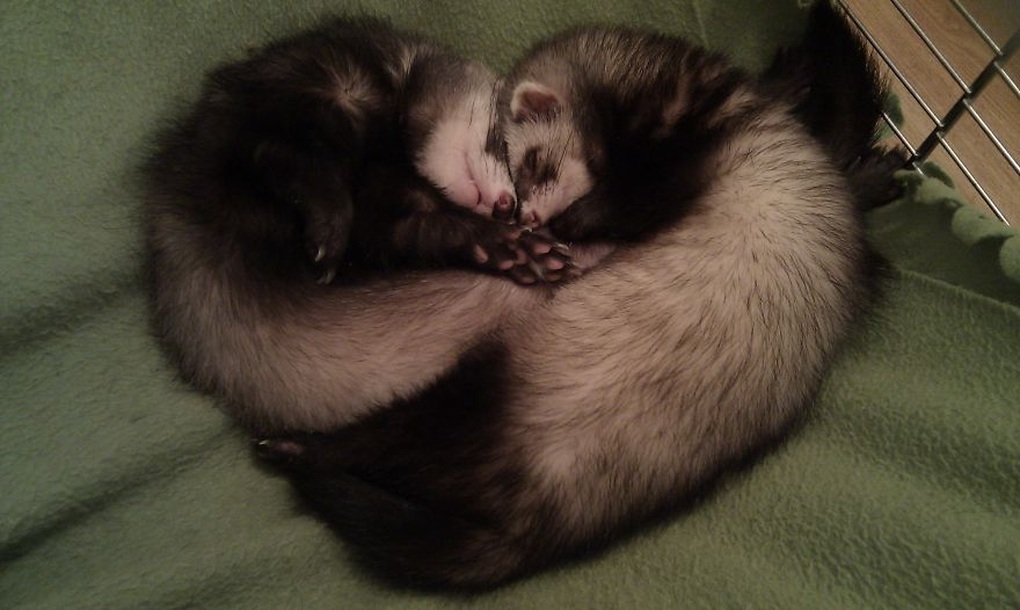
<point x="122" y="488"/>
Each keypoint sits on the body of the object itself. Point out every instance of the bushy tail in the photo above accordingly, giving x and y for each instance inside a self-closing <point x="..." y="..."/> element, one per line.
<point x="839" y="94"/>
<point x="408" y="543"/>
<point x="417" y="491"/>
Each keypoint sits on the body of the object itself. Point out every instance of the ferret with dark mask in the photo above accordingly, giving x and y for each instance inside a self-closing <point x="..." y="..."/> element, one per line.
<point x="740" y="265"/>
<point x="345" y="153"/>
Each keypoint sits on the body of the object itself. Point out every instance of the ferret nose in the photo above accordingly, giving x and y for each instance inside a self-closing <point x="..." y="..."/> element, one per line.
<point x="529" y="219"/>
<point x="505" y="207"/>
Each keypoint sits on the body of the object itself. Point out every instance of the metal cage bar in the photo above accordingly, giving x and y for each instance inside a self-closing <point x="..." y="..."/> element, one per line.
<point x="931" y="45"/>
<point x="980" y="83"/>
<point x="992" y="136"/>
<point x="943" y="125"/>
<point x="970" y="177"/>
<point x="977" y="26"/>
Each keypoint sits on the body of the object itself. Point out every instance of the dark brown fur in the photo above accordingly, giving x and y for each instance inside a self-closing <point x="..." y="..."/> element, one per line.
<point x="741" y="266"/>
<point x="297" y="164"/>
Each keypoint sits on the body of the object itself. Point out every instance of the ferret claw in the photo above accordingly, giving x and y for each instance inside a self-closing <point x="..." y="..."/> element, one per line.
<point x="327" y="276"/>
<point x="320" y="253"/>
<point x="280" y="451"/>
<point x="536" y="269"/>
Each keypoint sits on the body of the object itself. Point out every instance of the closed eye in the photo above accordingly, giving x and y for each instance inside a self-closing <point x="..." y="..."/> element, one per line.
<point x="529" y="165"/>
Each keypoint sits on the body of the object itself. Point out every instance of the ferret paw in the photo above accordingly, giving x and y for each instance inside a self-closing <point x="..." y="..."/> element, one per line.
<point x="873" y="179"/>
<point x="547" y="260"/>
<point x="279" y="451"/>
<point x="327" y="233"/>
<point x="526" y="257"/>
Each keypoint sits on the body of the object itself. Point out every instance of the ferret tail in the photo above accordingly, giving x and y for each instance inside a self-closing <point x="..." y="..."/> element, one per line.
<point x="423" y="492"/>
<point x="834" y="83"/>
<point x="839" y="94"/>
<point x="410" y="544"/>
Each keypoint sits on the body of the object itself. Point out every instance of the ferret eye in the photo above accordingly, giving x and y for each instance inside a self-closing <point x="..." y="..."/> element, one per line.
<point x="529" y="164"/>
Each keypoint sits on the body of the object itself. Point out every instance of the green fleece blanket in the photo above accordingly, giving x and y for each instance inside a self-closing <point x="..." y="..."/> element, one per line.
<point x="122" y="488"/>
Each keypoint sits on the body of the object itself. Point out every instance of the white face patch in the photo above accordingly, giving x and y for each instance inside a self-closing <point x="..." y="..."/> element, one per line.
<point x="444" y="162"/>
<point x="491" y="177"/>
<point x="549" y="200"/>
<point x="454" y="159"/>
<point x="560" y="175"/>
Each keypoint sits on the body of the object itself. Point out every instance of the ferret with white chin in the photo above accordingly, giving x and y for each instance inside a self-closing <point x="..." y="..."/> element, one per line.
<point x="740" y="266"/>
<point x="352" y="153"/>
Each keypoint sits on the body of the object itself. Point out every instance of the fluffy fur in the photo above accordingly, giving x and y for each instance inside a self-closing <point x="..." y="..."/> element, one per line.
<point x="837" y="92"/>
<point x="740" y="267"/>
<point x="302" y="162"/>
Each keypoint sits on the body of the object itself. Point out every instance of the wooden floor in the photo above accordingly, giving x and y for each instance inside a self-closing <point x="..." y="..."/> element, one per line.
<point x="968" y="54"/>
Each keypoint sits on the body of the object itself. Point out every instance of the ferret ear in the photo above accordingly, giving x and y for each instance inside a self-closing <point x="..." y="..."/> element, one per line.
<point x="534" y="101"/>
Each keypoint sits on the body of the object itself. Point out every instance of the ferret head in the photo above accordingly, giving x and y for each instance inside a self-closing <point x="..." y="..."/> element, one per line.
<point x="548" y="156"/>
<point x="463" y="158"/>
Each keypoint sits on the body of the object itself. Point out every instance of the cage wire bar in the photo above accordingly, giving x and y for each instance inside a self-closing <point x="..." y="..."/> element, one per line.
<point x="964" y="104"/>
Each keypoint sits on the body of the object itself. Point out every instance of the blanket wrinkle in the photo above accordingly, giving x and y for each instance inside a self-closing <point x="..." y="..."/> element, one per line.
<point x="124" y="488"/>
